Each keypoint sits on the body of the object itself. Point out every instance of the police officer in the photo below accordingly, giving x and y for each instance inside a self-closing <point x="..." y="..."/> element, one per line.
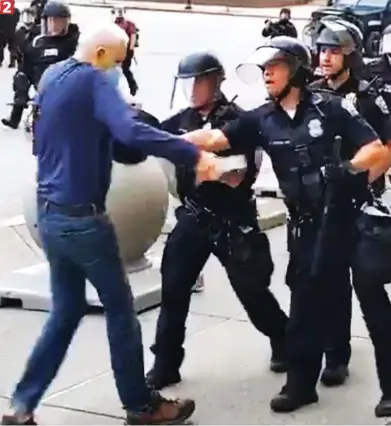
<point x="8" y="25"/>
<point x="340" y="45"/>
<point x="380" y="68"/>
<point x="219" y="219"/>
<point x="283" y="26"/>
<point x="302" y="130"/>
<point x="58" y="42"/>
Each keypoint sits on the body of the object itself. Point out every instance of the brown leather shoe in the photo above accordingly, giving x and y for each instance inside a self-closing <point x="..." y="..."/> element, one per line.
<point x="162" y="411"/>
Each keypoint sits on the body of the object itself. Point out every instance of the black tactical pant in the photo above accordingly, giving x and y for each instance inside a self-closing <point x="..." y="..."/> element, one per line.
<point x="21" y="86"/>
<point x="319" y="306"/>
<point x="371" y="271"/>
<point x="7" y="41"/>
<point x="249" y="270"/>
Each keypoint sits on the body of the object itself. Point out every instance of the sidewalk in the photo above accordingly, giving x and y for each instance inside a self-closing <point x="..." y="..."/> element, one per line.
<point x="298" y="12"/>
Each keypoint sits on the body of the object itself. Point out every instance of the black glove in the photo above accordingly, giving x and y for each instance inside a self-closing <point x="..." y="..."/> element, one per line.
<point x="344" y="175"/>
<point x="340" y="171"/>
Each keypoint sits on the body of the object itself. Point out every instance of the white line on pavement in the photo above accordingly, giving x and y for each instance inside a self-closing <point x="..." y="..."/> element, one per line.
<point x="13" y="221"/>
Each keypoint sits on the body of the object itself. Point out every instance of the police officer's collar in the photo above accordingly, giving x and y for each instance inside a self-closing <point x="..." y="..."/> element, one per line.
<point x="348" y="86"/>
<point x="306" y="97"/>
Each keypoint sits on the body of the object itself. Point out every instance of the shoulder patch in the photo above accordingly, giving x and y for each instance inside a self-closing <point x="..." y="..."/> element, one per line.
<point x="348" y="106"/>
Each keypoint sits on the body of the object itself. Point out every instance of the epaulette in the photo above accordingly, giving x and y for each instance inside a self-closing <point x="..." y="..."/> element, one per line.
<point x="322" y="95"/>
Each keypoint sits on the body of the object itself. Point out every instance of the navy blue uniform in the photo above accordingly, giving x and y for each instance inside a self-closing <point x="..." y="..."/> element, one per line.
<point x="298" y="149"/>
<point x="214" y="219"/>
<point x="373" y="109"/>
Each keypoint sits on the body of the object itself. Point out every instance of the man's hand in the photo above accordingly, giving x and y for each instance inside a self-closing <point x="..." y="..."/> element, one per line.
<point x="206" y="168"/>
<point x="207" y="140"/>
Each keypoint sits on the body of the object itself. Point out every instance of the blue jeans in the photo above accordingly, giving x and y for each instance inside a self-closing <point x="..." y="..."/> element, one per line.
<point x="78" y="249"/>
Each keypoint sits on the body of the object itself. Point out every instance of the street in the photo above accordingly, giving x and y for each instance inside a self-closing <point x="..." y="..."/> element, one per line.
<point x="226" y="368"/>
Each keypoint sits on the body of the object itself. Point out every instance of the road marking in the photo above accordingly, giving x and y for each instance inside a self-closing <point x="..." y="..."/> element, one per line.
<point x="13" y="221"/>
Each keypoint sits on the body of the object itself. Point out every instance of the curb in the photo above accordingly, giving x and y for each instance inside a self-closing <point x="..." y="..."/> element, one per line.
<point x="231" y="12"/>
<point x="274" y="220"/>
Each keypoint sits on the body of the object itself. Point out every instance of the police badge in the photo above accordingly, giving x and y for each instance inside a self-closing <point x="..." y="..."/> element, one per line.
<point x="315" y="128"/>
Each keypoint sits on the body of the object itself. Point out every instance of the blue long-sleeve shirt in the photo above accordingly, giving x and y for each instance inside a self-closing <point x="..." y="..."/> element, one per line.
<point x="80" y="114"/>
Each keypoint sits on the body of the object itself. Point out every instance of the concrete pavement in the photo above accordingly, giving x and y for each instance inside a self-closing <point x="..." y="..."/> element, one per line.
<point x="226" y="367"/>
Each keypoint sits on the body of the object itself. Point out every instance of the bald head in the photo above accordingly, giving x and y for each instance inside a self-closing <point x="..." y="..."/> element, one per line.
<point x="103" y="45"/>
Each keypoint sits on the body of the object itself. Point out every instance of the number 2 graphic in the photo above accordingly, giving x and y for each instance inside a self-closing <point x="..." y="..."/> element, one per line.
<point x="6" y="7"/>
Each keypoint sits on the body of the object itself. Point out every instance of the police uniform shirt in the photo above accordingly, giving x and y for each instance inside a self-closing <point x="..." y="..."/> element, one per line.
<point x="369" y="104"/>
<point x="48" y="50"/>
<point x="319" y="118"/>
<point x="190" y="119"/>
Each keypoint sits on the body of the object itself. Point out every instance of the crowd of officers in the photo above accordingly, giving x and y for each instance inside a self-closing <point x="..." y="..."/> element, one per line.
<point x="45" y="35"/>
<point x="329" y="148"/>
<point x="329" y="141"/>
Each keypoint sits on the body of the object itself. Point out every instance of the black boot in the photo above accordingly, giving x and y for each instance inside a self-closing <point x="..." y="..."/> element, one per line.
<point x="159" y="378"/>
<point x="15" y="420"/>
<point x="334" y="376"/>
<point x="278" y="360"/>
<point x="383" y="408"/>
<point x="15" y="118"/>
<point x="289" y="400"/>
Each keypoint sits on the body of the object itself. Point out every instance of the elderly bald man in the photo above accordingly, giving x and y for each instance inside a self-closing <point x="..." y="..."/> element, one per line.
<point x="79" y="111"/>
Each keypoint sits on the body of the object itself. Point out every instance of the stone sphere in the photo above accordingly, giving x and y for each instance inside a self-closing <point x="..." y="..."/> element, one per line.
<point x="137" y="204"/>
<point x="169" y="171"/>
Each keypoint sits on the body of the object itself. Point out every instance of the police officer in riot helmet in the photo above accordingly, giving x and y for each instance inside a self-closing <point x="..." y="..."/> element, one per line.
<point x="380" y="68"/>
<point x="340" y="45"/>
<point x="57" y="42"/>
<point x="319" y="146"/>
<point x="219" y="219"/>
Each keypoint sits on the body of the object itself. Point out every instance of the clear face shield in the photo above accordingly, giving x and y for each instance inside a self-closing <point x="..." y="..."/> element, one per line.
<point x="273" y="81"/>
<point x="27" y="17"/>
<point x="55" y="26"/>
<point x="195" y="91"/>
<point x="385" y="46"/>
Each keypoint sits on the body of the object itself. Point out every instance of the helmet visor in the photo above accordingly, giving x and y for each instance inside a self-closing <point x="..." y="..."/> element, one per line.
<point x="195" y="91"/>
<point x="250" y="71"/>
<point x="338" y="34"/>
<point x="55" y="26"/>
<point x="28" y="17"/>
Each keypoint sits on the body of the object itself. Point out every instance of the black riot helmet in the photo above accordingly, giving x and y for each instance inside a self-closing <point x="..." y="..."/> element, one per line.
<point x="198" y="64"/>
<point x="284" y="49"/>
<point x="192" y="68"/>
<point x="55" y="18"/>
<point x="56" y="9"/>
<point x="337" y="32"/>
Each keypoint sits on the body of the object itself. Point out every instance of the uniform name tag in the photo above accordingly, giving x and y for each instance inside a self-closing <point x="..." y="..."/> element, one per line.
<point x="233" y="162"/>
<point x="50" y="52"/>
